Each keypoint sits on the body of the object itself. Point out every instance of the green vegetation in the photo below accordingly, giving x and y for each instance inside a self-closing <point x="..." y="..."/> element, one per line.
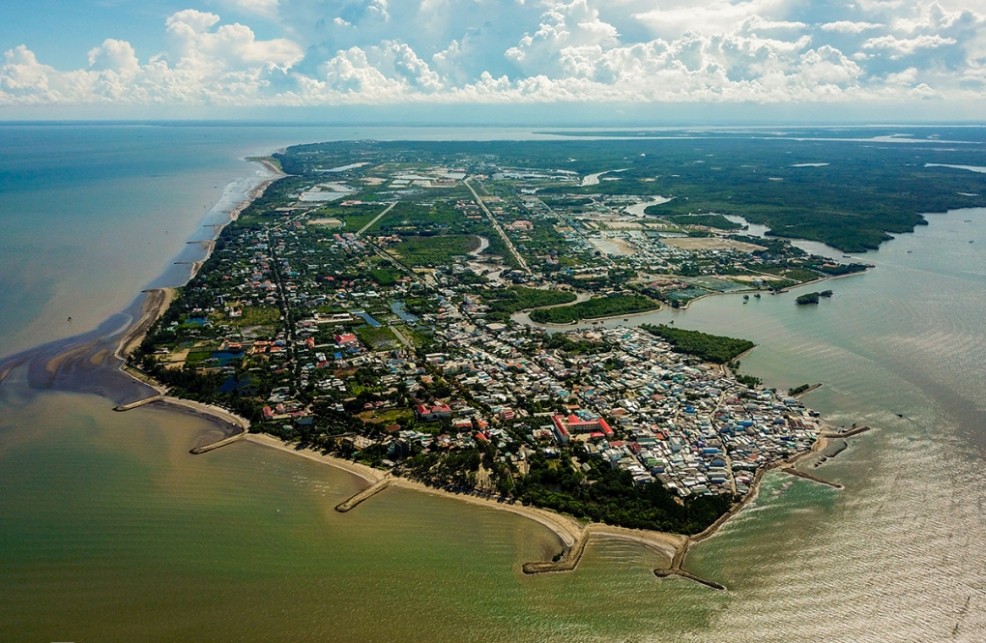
<point x="708" y="220"/>
<point x="882" y="189"/>
<point x="613" y="498"/>
<point x="798" y="390"/>
<point x="258" y="316"/>
<point x="711" y="348"/>
<point x="506" y="301"/>
<point x="432" y="251"/>
<point x="839" y="269"/>
<point x="812" y="297"/>
<point x="562" y="342"/>
<point x="748" y="380"/>
<point x="377" y="338"/>
<point x="611" y="306"/>
<point x="385" y="276"/>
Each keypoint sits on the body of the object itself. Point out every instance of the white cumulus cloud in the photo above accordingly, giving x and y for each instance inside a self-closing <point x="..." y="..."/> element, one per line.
<point x="499" y="51"/>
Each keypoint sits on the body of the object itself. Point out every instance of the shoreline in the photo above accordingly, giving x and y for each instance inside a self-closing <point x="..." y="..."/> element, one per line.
<point x="572" y="534"/>
<point x="158" y="300"/>
<point x="523" y="316"/>
<point x="568" y="529"/>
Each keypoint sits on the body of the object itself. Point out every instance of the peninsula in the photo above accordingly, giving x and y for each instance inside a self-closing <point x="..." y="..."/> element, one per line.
<point x="380" y="303"/>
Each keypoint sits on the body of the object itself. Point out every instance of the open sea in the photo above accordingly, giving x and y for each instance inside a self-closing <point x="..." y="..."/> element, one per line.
<point x="111" y="531"/>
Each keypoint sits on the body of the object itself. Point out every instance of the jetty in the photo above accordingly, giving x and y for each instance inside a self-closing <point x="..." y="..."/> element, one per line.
<point x="856" y="430"/>
<point x="566" y="562"/>
<point x="205" y="448"/>
<point x="364" y="495"/>
<point x="807" y="390"/>
<point x="677" y="568"/>
<point x="807" y="476"/>
<point x="120" y="408"/>
<point x="684" y="573"/>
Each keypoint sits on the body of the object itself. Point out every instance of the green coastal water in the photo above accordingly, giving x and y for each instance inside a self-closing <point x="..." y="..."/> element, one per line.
<point x="110" y="530"/>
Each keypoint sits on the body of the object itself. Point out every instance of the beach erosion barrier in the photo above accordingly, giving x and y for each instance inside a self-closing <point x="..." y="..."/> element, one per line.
<point x="120" y="408"/>
<point x="362" y="496"/>
<point x="212" y="446"/>
<point x="567" y="562"/>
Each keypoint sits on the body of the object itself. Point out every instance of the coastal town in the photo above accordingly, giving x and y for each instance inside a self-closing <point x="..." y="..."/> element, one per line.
<point x="443" y="320"/>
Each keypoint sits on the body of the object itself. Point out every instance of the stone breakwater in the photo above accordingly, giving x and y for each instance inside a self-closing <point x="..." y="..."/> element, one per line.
<point x="351" y="503"/>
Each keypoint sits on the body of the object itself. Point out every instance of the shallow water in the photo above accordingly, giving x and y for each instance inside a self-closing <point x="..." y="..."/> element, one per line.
<point x="110" y="530"/>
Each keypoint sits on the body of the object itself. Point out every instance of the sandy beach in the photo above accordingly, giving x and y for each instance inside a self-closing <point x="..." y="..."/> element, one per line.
<point x="156" y="302"/>
<point x="573" y="534"/>
<point x="569" y="530"/>
<point x="369" y="474"/>
<point x="566" y="528"/>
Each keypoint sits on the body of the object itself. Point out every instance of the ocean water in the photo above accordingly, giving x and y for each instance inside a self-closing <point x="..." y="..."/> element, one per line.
<point x="93" y="214"/>
<point x="110" y="530"/>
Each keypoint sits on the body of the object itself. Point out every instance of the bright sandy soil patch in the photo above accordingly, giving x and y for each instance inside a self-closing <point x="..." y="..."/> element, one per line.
<point x="636" y="225"/>
<point x="613" y="246"/>
<point x="328" y="221"/>
<point x="710" y="243"/>
<point x="752" y="278"/>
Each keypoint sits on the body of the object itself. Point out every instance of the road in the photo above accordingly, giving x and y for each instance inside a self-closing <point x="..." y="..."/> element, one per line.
<point x="498" y="228"/>
<point x="375" y="219"/>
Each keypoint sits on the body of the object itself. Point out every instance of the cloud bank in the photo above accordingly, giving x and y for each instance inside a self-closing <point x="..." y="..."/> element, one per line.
<point x="385" y="52"/>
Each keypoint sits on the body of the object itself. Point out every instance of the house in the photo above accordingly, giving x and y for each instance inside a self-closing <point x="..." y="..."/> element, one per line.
<point x="346" y="339"/>
<point x="566" y="426"/>
<point x="430" y="413"/>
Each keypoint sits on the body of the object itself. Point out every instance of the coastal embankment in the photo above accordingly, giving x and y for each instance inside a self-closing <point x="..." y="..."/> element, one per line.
<point x="112" y="349"/>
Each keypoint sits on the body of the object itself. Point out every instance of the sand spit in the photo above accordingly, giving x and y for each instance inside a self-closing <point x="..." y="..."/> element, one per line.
<point x="156" y="302"/>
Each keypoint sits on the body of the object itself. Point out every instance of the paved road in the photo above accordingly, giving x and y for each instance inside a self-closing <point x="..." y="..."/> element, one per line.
<point x="499" y="230"/>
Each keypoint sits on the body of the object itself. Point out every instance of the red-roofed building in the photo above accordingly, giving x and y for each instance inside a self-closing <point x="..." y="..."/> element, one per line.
<point x="573" y="424"/>
<point x="435" y="412"/>
<point x="346" y="339"/>
<point x="560" y="430"/>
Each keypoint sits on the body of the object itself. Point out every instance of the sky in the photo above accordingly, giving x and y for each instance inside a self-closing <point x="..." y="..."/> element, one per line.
<point x="488" y="59"/>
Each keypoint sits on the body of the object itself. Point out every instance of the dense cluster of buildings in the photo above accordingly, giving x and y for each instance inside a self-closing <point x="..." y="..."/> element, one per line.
<point x="287" y="313"/>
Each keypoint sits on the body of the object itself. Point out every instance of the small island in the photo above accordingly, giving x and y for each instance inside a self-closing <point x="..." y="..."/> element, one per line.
<point x="812" y="298"/>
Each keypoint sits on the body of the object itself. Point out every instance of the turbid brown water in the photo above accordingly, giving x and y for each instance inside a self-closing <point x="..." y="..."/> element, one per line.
<point x="110" y="530"/>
